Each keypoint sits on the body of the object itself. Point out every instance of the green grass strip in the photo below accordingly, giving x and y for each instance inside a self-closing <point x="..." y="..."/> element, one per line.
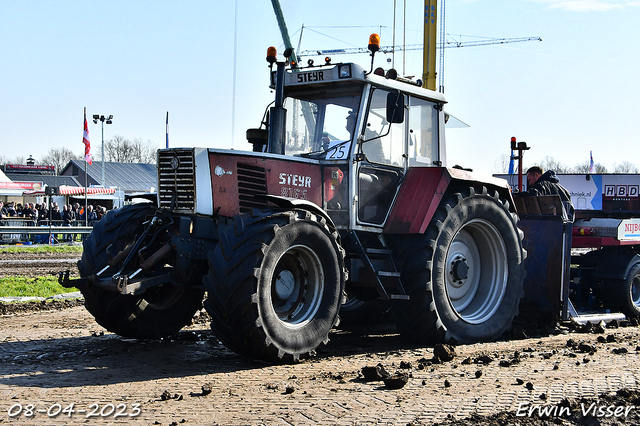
<point x="32" y="287"/>
<point x="55" y="248"/>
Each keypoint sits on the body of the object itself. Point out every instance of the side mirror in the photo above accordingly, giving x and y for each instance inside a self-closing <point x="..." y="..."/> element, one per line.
<point x="395" y="107"/>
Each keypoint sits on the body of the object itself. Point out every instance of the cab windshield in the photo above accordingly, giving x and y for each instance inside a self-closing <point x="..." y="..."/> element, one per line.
<point x="319" y="116"/>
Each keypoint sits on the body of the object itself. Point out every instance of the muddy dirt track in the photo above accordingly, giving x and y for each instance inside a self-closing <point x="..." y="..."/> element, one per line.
<point x="58" y="366"/>
<point x="37" y="264"/>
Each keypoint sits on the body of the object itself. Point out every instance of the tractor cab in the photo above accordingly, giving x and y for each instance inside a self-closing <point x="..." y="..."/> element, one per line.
<point x="365" y="128"/>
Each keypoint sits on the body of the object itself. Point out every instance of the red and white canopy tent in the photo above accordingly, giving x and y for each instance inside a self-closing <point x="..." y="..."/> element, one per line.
<point x="74" y="190"/>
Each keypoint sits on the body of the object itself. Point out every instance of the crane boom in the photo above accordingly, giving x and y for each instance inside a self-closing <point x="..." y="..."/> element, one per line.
<point x="399" y="48"/>
<point x="282" y="24"/>
<point x="490" y="41"/>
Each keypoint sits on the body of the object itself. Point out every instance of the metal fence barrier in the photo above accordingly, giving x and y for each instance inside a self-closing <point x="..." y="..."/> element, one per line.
<point x="45" y="229"/>
<point x="17" y="230"/>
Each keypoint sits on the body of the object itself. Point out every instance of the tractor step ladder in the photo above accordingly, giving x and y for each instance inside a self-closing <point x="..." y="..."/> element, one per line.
<point x="388" y="282"/>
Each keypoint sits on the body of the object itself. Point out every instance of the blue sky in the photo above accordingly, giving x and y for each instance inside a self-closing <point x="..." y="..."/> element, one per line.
<point x="574" y="92"/>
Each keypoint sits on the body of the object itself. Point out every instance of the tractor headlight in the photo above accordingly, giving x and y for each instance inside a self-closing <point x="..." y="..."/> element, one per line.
<point x="344" y="71"/>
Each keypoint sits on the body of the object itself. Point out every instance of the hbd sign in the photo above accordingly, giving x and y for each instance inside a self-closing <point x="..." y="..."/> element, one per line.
<point x="620" y="191"/>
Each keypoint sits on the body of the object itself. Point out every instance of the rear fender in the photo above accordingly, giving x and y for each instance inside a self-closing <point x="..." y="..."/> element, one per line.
<point x="424" y="188"/>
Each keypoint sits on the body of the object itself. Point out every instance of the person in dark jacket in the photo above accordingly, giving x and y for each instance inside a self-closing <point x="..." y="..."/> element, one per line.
<point x="30" y="211"/>
<point x="43" y="213"/>
<point x="56" y="216"/>
<point x="11" y="209"/>
<point x="68" y="219"/>
<point x="547" y="183"/>
<point x="88" y="216"/>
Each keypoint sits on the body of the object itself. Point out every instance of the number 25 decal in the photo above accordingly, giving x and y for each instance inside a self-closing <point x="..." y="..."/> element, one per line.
<point x="339" y="152"/>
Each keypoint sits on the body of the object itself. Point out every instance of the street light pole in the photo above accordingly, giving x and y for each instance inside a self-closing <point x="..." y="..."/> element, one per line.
<point x="102" y="119"/>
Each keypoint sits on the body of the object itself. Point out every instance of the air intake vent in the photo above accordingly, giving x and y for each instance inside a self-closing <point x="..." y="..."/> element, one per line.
<point x="252" y="181"/>
<point x="176" y="180"/>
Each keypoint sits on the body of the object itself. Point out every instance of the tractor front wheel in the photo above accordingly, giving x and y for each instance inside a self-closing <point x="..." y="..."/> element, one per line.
<point x="275" y="284"/>
<point x="158" y="312"/>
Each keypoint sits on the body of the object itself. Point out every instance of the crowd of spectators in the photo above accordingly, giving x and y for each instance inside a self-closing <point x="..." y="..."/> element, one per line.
<point x="71" y="214"/>
<point x="38" y="214"/>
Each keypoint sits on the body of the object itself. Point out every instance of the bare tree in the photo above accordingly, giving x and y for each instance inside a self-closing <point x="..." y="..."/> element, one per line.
<point x="124" y="150"/>
<point x="501" y="164"/>
<point x="625" y="167"/>
<point x="16" y="160"/>
<point x="145" y="152"/>
<point x="585" y="167"/>
<point x="114" y="149"/>
<point x="550" y="163"/>
<point x="59" y="157"/>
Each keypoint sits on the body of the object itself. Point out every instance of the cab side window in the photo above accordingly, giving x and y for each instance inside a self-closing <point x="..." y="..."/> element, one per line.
<point x="383" y="142"/>
<point x="423" y="132"/>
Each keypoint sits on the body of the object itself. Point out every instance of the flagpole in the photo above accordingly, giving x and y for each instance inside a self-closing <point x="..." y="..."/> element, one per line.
<point x="55" y="172"/>
<point x="85" y="173"/>
<point x="85" y="194"/>
<point x="167" y="128"/>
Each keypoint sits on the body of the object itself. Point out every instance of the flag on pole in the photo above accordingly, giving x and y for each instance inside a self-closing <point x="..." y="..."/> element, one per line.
<point x="511" y="164"/>
<point x="167" y="129"/>
<point x="86" y="140"/>
<point x="592" y="166"/>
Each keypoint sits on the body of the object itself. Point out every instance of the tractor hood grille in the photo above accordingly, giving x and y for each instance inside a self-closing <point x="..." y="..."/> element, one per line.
<point x="176" y="180"/>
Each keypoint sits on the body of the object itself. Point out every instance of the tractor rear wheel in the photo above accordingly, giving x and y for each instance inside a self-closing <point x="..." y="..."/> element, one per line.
<point x="158" y="312"/>
<point x="465" y="274"/>
<point x="275" y="284"/>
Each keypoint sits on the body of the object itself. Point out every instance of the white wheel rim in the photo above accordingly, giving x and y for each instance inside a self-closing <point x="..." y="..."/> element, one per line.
<point x="297" y="286"/>
<point x="476" y="272"/>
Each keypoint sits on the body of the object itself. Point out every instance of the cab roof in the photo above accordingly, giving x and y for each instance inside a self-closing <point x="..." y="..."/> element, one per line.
<point x="350" y="72"/>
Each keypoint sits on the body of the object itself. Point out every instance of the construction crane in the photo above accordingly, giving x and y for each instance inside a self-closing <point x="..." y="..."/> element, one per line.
<point x="399" y="48"/>
<point x="428" y="45"/>
<point x="429" y="76"/>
